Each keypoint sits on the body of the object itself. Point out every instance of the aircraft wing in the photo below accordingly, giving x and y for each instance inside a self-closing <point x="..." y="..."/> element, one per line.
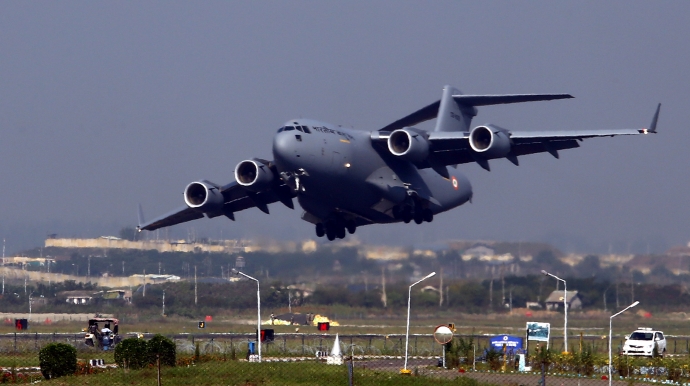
<point x="235" y="197"/>
<point x="177" y="216"/>
<point x="453" y="147"/>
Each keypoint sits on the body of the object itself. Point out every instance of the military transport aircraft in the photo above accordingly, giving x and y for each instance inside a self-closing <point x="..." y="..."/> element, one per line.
<point x="345" y="178"/>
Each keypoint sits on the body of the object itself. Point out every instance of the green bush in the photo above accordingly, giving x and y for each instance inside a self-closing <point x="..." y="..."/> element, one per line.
<point x="132" y="353"/>
<point x="493" y="358"/>
<point x="452" y="357"/>
<point x="160" y="346"/>
<point x="584" y="361"/>
<point x="466" y="348"/>
<point x="543" y="356"/>
<point x="57" y="360"/>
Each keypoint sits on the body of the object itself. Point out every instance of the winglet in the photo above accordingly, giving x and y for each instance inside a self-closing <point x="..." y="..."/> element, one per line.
<point x="141" y="218"/>
<point x="652" y="126"/>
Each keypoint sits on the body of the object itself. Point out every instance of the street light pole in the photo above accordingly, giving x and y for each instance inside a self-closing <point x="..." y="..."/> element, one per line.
<point x="258" y="309"/>
<point x="565" y="307"/>
<point x="407" y="331"/>
<point x="611" y="331"/>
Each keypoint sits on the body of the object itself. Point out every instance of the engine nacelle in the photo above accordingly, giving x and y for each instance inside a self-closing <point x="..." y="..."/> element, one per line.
<point x="490" y="141"/>
<point x="409" y="144"/>
<point x="253" y="175"/>
<point x="204" y="196"/>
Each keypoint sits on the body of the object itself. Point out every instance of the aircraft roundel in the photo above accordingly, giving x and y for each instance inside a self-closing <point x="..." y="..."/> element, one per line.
<point x="454" y="181"/>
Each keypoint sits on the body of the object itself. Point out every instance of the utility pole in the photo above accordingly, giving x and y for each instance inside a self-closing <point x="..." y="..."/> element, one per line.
<point x="123" y="268"/>
<point x="503" y="287"/>
<point x="491" y="293"/>
<point x="195" y="298"/>
<point x="618" y="305"/>
<point x="159" y="267"/>
<point x="384" y="298"/>
<point x="144" y="282"/>
<point x="440" y="289"/>
<point x="632" y="287"/>
<point x="605" y="309"/>
<point x="289" y="301"/>
<point x="163" y="313"/>
<point x="88" y="268"/>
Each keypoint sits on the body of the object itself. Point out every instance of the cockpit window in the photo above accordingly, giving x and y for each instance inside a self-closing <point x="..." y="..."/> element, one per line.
<point x="306" y="129"/>
<point x="288" y="128"/>
<point x="299" y="128"/>
<point x="281" y="129"/>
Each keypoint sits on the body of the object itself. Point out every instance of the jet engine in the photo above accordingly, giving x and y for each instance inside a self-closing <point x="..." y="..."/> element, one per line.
<point x="490" y="141"/>
<point x="204" y="196"/>
<point x="409" y="144"/>
<point x="253" y="175"/>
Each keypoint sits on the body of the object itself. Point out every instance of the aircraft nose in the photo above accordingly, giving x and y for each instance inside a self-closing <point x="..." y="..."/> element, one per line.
<point x="283" y="145"/>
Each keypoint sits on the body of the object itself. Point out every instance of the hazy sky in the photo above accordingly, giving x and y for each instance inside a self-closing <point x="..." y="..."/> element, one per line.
<point x="104" y="105"/>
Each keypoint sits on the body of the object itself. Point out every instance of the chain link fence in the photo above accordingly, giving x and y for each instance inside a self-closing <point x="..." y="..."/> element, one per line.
<point x="365" y="359"/>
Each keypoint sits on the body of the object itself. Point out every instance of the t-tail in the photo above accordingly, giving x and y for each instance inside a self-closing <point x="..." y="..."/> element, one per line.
<point x="455" y="111"/>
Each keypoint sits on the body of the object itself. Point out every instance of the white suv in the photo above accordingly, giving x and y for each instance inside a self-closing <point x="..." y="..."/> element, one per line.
<point x="642" y="341"/>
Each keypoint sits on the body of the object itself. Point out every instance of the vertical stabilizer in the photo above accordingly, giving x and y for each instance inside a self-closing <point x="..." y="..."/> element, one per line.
<point x="451" y="115"/>
<point x="141" y="217"/>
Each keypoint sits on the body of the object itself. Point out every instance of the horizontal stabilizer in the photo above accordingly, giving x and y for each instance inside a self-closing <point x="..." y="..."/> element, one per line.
<point x="466" y="103"/>
<point x="486" y="100"/>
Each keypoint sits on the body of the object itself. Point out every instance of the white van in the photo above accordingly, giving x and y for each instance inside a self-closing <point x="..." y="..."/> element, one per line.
<point x="642" y="341"/>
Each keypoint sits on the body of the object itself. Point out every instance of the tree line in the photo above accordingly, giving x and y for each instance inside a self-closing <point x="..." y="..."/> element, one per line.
<point x="471" y="296"/>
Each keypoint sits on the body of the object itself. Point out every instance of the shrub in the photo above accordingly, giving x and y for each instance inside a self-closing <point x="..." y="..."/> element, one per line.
<point x="543" y="356"/>
<point x="493" y="358"/>
<point x="585" y="361"/>
<point x="57" y="360"/>
<point x="132" y="353"/>
<point x="466" y="348"/>
<point x="163" y="348"/>
<point x="674" y="372"/>
<point x="452" y="357"/>
<point x="233" y="353"/>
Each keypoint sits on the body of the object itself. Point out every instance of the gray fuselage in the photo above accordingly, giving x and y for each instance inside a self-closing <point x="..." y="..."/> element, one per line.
<point x="341" y="173"/>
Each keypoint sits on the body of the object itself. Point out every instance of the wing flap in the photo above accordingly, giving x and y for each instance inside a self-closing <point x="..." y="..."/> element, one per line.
<point x="527" y="136"/>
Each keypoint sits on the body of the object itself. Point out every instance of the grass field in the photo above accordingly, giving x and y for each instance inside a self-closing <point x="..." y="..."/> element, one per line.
<point x="247" y="374"/>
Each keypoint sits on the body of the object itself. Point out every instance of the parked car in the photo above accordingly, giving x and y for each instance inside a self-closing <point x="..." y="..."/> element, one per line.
<point x="642" y="341"/>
